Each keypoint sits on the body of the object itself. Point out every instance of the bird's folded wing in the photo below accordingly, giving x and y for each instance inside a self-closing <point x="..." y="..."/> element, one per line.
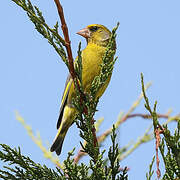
<point x="64" y="98"/>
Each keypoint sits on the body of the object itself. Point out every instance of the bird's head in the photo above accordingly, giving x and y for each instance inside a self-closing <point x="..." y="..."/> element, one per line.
<point x="96" y="33"/>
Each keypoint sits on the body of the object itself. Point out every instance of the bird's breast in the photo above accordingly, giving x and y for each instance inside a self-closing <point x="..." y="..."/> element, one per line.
<point x="91" y="60"/>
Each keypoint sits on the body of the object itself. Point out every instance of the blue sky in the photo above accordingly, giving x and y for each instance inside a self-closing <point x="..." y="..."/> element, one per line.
<point x="32" y="75"/>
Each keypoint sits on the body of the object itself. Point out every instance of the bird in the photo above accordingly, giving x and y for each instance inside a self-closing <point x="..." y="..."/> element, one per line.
<point x="97" y="37"/>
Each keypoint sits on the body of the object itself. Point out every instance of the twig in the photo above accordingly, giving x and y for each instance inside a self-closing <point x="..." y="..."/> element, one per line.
<point x="79" y="155"/>
<point x="159" y="130"/>
<point x="157" y="127"/>
<point x="147" y="116"/>
<point x="66" y="37"/>
<point x="158" y="139"/>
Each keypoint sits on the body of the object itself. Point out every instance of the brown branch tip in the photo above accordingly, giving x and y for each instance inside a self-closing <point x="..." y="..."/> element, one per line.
<point x="159" y="130"/>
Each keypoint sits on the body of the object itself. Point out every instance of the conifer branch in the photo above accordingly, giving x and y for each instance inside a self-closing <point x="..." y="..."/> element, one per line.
<point x="24" y="167"/>
<point x="155" y="124"/>
<point x="51" y="34"/>
<point x="149" y="175"/>
<point x="172" y="159"/>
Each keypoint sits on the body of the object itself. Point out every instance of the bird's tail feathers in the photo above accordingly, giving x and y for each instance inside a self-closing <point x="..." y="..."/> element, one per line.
<point x="65" y="123"/>
<point x="57" y="144"/>
<point x="59" y="139"/>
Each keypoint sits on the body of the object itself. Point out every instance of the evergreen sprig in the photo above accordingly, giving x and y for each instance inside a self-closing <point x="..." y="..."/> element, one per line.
<point x="99" y="169"/>
<point x="151" y="172"/>
<point x="51" y="34"/>
<point x="113" y="156"/>
<point x="74" y="171"/>
<point x="170" y="142"/>
<point x="24" y="168"/>
<point x="173" y="143"/>
<point x="78" y="64"/>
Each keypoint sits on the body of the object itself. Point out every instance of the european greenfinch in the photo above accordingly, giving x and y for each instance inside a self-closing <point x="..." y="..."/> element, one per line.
<point x="97" y="37"/>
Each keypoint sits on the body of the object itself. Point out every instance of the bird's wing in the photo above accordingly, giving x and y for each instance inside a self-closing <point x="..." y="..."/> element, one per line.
<point x="64" y="98"/>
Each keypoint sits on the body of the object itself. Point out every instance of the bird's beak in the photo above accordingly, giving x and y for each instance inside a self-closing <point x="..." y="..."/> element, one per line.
<point x="84" y="33"/>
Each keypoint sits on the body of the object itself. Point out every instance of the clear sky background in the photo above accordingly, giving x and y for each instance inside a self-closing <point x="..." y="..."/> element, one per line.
<point x="32" y="76"/>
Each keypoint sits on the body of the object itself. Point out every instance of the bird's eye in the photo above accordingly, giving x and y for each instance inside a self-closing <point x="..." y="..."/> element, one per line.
<point x="93" y="28"/>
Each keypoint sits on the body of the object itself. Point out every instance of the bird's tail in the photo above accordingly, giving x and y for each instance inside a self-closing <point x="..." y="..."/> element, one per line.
<point x="58" y="141"/>
<point x="67" y="120"/>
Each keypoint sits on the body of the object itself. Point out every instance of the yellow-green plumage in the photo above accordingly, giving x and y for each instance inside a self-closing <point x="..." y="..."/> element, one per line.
<point x="97" y="37"/>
